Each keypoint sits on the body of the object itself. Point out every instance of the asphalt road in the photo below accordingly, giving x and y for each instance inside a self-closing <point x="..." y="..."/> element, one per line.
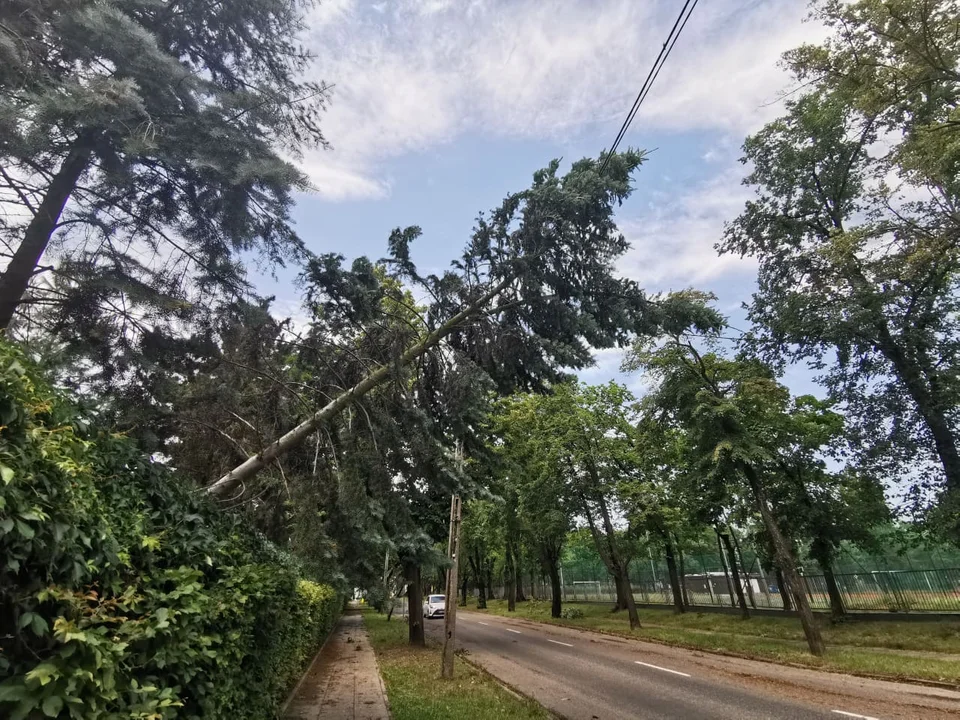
<point x="579" y="674"/>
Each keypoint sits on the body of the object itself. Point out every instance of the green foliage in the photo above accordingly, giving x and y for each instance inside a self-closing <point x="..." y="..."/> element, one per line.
<point x="122" y="593"/>
<point x="854" y="226"/>
<point x="571" y="613"/>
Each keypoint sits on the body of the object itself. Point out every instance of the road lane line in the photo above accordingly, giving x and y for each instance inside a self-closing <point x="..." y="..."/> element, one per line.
<point x="854" y="715"/>
<point x="657" y="667"/>
<point x="557" y="642"/>
<point x="513" y="631"/>
<point x="483" y="623"/>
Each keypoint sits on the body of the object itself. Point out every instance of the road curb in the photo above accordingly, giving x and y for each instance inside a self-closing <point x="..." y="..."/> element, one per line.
<point x="462" y="654"/>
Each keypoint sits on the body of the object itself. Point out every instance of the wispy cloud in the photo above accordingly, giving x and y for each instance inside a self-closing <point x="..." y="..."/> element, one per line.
<point x="673" y="240"/>
<point x="415" y="74"/>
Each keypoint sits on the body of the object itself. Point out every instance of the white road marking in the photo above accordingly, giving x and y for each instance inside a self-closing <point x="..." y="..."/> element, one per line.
<point x="513" y="631"/>
<point x="557" y="642"/>
<point x="483" y="623"/>
<point x="657" y="667"/>
<point x="855" y="715"/>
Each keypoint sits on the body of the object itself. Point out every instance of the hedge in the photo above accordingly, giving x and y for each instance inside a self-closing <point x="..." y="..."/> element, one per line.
<point x="123" y="592"/>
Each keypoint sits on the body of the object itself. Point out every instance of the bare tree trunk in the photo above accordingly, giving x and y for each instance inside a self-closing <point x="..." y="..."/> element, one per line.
<point x="726" y="572"/>
<point x="786" y="562"/>
<point x="784" y="591"/>
<point x="463" y="591"/>
<point x="735" y="572"/>
<point x="674" y="575"/>
<point x="743" y="567"/>
<point x="555" y="607"/>
<point x="683" y="576"/>
<point x="519" y="584"/>
<point x="415" y="604"/>
<point x="837" y="608"/>
<point x="16" y="277"/>
<point x="623" y="583"/>
<point x="510" y="578"/>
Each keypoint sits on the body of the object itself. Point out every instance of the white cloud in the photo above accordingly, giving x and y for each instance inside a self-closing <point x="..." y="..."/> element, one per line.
<point x="416" y="73"/>
<point x="673" y="241"/>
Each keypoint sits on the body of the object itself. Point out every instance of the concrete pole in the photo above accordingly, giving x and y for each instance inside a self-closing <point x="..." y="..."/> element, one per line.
<point x="450" y="597"/>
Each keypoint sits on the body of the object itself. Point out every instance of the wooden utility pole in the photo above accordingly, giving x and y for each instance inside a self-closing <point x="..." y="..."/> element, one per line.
<point x="450" y="597"/>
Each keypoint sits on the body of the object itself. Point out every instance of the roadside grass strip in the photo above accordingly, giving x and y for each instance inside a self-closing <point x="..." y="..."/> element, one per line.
<point x="415" y="690"/>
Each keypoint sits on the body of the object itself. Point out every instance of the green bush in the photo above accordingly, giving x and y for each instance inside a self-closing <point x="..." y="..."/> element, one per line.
<point x="123" y="592"/>
<point x="571" y="613"/>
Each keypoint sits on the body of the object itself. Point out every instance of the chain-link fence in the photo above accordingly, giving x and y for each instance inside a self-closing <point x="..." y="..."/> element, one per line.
<point x="869" y="591"/>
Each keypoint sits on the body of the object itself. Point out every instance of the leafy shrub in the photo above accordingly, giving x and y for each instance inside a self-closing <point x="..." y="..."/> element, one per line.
<point x="571" y="613"/>
<point x="123" y="592"/>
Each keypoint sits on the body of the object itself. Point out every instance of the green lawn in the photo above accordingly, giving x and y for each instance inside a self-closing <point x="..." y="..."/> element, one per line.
<point x="416" y="692"/>
<point x="931" y="649"/>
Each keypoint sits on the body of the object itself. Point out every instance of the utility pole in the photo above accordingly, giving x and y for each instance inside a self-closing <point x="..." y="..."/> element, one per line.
<point x="450" y="597"/>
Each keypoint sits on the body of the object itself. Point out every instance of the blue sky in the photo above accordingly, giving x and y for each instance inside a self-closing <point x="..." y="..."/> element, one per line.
<point x="441" y="107"/>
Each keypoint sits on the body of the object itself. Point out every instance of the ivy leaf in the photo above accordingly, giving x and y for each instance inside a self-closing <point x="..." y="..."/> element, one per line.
<point x="24" y="620"/>
<point x="25" y="530"/>
<point x="6" y="474"/>
<point x="39" y="625"/>
<point x="52" y="705"/>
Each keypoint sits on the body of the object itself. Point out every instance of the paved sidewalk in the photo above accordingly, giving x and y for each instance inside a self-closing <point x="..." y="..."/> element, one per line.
<point x="343" y="681"/>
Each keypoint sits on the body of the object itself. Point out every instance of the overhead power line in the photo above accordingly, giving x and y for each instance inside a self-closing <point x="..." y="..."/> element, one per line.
<point x="681" y="22"/>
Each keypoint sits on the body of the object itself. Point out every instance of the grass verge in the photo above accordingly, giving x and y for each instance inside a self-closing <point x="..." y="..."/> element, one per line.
<point x="416" y="692"/>
<point x="919" y="651"/>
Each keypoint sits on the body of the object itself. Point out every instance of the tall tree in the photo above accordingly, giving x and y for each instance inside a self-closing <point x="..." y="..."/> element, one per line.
<point x="741" y="424"/>
<point x="536" y="475"/>
<point x="534" y="290"/>
<point x="856" y="228"/>
<point x="142" y="153"/>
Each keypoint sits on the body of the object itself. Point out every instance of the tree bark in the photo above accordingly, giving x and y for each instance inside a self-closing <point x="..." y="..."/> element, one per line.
<point x="622" y="581"/>
<point x="786" y="562"/>
<point x="784" y="591"/>
<point x="674" y="575"/>
<point x="463" y="590"/>
<point x="519" y="575"/>
<point x="837" y="608"/>
<point x="735" y="572"/>
<point x="726" y="572"/>
<point x="415" y="604"/>
<point x="743" y="567"/>
<point x="16" y="277"/>
<point x="683" y="576"/>
<point x="510" y="576"/>
<point x="556" y="590"/>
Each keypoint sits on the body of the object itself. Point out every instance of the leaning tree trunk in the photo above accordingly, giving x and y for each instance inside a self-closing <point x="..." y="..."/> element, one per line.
<point x="784" y="591"/>
<point x="16" y="277"/>
<point x="625" y="595"/>
<point x="735" y="572"/>
<point x="415" y="604"/>
<point x="726" y="572"/>
<point x="744" y="568"/>
<point x="683" y="576"/>
<point x="295" y="437"/>
<point x="786" y="562"/>
<point x="674" y="575"/>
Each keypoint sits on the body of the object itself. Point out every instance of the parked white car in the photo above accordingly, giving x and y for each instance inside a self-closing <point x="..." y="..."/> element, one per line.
<point x="434" y="606"/>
